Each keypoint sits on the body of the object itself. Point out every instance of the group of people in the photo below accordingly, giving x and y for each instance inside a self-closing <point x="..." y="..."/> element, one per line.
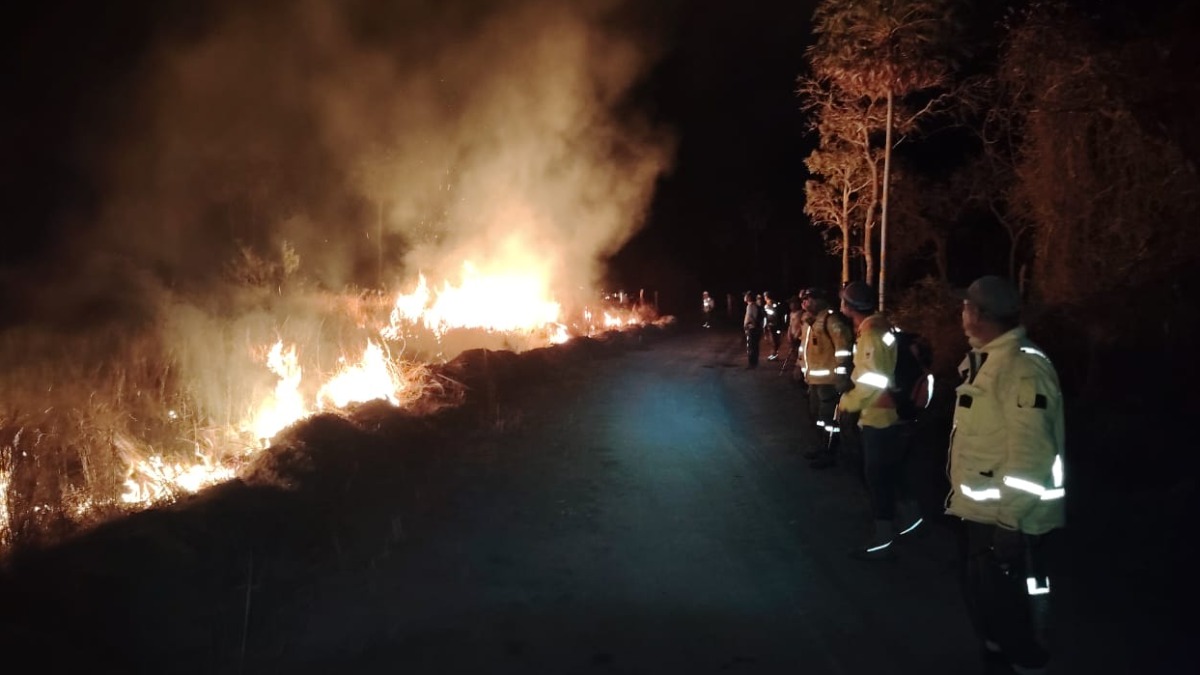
<point x="764" y="319"/>
<point x="1006" y="446"/>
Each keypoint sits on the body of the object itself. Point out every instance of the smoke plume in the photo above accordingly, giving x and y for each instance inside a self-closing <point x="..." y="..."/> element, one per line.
<point x="382" y="139"/>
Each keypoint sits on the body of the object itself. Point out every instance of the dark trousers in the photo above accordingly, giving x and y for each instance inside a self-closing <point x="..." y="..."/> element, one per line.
<point x="823" y="400"/>
<point x="753" y="344"/>
<point x="827" y="400"/>
<point x="885" y="451"/>
<point x="997" y="594"/>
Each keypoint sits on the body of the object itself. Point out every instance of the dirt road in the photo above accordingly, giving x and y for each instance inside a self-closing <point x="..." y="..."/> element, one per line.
<point x="631" y="508"/>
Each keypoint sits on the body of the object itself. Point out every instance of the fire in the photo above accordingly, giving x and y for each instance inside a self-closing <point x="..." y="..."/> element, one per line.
<point x="153" y="479"/>
<point x="514" y="301"/>
<point x="507" y="302"/>
<point x="286" y="405"/>
<point x="375" y="377"/>
<point x="4" y="517"/>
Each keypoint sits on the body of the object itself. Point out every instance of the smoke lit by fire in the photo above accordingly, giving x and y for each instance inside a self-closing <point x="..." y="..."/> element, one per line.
<point x="464" y="160"/>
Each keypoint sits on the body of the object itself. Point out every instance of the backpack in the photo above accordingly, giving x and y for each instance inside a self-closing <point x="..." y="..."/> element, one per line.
<point x="912" y="383"/>
<point x="836" y="315"/>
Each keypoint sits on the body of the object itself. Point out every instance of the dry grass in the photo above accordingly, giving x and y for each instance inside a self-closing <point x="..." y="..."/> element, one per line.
<point x="89" y="418"/>
<point x="72" y="403"/>
<point x="96" y="423"/>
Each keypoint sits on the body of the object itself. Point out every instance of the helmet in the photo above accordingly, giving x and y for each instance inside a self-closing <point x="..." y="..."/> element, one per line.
<point x="860" y="296"/>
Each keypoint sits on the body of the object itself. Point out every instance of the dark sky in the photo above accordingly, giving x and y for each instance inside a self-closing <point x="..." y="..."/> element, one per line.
<point x="723" y="82"/>
<point x="729" y="88"/>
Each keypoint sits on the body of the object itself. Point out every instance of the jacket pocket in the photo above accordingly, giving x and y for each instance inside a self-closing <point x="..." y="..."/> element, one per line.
<point x="978" y="436"/>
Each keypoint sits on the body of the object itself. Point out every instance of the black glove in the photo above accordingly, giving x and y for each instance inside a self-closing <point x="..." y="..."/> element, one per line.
<point x="846" y="420"/>
<point x="842" y="384"/>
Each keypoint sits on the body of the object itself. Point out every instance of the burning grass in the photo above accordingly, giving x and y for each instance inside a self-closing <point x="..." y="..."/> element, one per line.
<point x="98" y="423"/>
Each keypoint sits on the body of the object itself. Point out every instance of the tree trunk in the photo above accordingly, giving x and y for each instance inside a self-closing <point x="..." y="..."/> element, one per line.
<point x="872" y="203"/>
<point x="868" y="248"/>
<point x="883" y="216"/>
<point x="845" y="235"/>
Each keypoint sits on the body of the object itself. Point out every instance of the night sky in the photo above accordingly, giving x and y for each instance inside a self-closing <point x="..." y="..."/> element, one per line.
<point x="721" y="79"/>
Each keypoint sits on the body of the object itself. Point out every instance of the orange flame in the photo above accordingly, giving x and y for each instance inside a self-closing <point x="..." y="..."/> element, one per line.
<point x="509" y="301"/>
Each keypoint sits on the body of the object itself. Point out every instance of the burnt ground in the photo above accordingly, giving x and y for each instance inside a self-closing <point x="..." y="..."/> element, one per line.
<point x="635" y="504"/>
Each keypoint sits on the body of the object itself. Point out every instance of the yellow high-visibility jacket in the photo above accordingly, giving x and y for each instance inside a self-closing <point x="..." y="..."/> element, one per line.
<point x="874" y="365"/>
<point x="1007" y="444"/>
<point x="826" y="351"/>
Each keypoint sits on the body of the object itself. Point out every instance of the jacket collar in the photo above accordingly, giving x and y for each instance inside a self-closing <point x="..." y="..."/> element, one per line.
<point x="1004" y="342"/>
<point x="868" y="323"/>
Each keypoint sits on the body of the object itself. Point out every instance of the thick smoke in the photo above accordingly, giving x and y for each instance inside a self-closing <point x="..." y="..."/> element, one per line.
<point x="381" y="139"/>
<point x="278" y="154"/>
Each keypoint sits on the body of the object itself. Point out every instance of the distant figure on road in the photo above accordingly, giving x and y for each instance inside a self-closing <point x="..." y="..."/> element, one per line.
<point x="885" y="438"/>
<point x="1006" y="474"/>
<point x="707" y="304"/>
<point x="752" y="323"/>
<point x="774" y="323"/>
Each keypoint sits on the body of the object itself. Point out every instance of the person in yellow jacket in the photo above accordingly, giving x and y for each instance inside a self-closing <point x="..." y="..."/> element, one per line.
<point x="885" y="438"/>
<point x="1006" y="473"/>
<point x="827" y="359"/>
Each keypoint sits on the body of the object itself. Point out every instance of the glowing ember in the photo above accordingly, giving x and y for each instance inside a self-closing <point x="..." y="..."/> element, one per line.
<point x="153" y="479"/>
<point x="614" y="321"/>
<point x="4" y="517"/>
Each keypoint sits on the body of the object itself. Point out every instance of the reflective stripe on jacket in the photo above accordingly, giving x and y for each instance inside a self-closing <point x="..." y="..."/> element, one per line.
<point x="1007" y="444"/>
<point x="827" y="349"/>
<point x="874" y="366"/>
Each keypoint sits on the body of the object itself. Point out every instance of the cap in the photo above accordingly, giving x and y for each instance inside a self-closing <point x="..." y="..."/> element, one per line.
<point x="813" y="292"/>
<point x="995" y="296"/>
<point x="860" y="296"/>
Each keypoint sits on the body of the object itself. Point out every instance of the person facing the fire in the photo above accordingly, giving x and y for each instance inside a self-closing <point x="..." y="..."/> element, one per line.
<point x="1006" y="474"/>
<point x="752" y="323"/>
<point x="884" y="437"/>
<point x="827" y="360"/>
<point x="707" y="305"/>
<point x="795" y="337"/>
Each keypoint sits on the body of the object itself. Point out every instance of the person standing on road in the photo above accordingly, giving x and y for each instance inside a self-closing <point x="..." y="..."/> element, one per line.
<point x="885" y="439"/>
<point x="795" y="339"/>
<point x="827" y="357"/>
<point x="774" y="321"/>
<point x="707" y="305"/>
<point x="1006" y="474"/>
<point x="752" y="323"/>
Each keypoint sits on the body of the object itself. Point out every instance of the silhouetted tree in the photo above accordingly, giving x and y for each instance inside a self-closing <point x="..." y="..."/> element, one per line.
<point x="889" y="53"/>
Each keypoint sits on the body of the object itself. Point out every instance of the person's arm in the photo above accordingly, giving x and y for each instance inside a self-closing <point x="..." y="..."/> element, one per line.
<point x="1030" y="404"/>
<point x="843" y="345"/>
<point x="870" y="377"/>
